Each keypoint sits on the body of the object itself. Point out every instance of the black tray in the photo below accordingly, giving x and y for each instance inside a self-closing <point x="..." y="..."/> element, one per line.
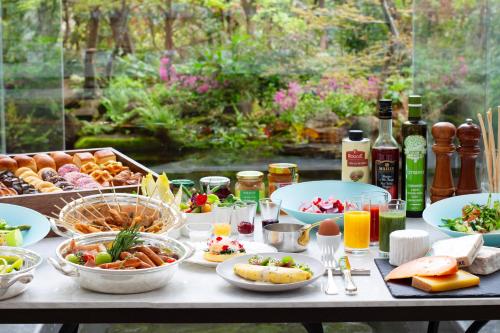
<point x="488" y="287"/>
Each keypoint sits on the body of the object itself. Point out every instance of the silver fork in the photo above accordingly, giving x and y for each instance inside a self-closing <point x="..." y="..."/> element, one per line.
<point x="328" y="258"/>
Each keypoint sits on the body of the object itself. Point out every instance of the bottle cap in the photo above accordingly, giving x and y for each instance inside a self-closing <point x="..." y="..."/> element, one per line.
<point x="415" y="107"/>
<point x="385" y="109"/>
<point x="249" y="175"/>
<point x="176" y="183"/>
<point x="283" y="168"/>
<point x="355" y="135"/>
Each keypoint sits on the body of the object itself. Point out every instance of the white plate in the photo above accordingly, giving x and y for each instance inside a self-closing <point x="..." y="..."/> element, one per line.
<point x="250" y="248"/>
<point x="225" y="270"/>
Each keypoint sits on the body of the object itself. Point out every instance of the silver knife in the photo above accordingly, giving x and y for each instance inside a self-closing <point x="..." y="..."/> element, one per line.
<point x="345" y="267"/>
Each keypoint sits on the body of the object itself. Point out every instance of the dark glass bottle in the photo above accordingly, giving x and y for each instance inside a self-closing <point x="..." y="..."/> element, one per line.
<point x="385" y="152"/>
<point x="414" y="164"/>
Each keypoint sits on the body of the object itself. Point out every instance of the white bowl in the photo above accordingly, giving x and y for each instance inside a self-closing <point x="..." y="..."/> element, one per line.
<point x="196" y="218"/>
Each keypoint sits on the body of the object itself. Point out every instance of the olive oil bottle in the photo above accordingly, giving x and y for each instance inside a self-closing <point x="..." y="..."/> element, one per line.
<point x="414" y="164"/>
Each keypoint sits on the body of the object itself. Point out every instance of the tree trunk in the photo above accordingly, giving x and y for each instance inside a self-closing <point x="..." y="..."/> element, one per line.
<point x="90" y="83"/>
<point x="250" y="9"/>
<point x="118" y="21"/>
<point x="67" y="25"/>
<point x="169" y="26"/>
<point x="393" y="41"/>
<point x="323" y="41"/>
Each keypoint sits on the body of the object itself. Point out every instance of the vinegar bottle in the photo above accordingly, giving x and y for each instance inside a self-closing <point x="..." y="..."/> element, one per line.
<point x="385" y="152"/>
<point x="414" y="161"/>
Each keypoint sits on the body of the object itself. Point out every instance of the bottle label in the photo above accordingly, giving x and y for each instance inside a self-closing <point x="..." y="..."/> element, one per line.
<point x="415" y="147"/>
<point x="385" y="175"/>
<point x="356" y="158"/>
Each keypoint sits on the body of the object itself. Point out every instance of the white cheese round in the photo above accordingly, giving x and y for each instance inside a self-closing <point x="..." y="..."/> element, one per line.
<point x="407" y="245"/>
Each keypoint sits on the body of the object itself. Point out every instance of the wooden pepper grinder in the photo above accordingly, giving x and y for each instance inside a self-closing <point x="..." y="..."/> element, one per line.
<point x="469" y="135"/>
<point x="442" y="186"/>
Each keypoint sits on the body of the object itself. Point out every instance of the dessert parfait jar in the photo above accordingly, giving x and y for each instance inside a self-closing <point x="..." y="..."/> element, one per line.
<point x="282" y="174"/>
<point x="250" y="186"/>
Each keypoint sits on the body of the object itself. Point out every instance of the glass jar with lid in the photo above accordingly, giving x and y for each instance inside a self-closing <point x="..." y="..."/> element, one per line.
<point x="250" y="186"/>
<point x="282" y="174"/>
<point x="188" y="187"/>
<point x="217" y="185"/>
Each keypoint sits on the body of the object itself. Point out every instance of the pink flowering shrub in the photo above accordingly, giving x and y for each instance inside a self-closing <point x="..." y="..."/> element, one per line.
<point x="287" y="99"/>
<point x="194" y="83"/>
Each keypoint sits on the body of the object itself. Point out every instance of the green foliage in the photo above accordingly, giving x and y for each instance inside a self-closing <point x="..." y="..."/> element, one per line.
<point x="24" y="131"/>
<point x="122" y="143"/>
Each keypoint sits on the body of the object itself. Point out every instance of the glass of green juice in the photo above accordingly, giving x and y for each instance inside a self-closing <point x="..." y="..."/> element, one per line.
<point x="392" y="217"/>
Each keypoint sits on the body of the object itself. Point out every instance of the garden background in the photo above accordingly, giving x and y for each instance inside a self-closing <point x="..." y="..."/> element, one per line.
<point x="214" y="86"/>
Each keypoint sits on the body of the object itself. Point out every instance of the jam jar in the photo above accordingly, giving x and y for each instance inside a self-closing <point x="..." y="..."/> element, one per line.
<point x="282" y="174"/>
<point x="250" y="186"/>
<point x="217" y="185"/>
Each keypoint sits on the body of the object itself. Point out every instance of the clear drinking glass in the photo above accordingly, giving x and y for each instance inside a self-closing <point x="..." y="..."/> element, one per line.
<point x="392" y="217"/>
<point x="222" y="218"/>
<point x="245" y="218"/>
<point x="199" y="232"/>
<point x="269" y="211"/>
<point x="357" y="225"/>
<point x="376" y="199"/>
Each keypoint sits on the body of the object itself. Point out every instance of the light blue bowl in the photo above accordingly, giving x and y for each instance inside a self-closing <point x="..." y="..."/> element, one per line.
<point x="293" y="196"/>
<point x="17" y="215"/>
<point x="452" y="208"/>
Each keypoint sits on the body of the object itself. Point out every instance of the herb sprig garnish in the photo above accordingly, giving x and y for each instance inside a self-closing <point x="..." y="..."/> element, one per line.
<point x="125" y="240"/>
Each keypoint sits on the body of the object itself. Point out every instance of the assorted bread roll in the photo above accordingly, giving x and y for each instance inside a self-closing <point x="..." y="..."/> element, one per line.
<point x="58" y="171"/>
<point x="8" y="163"/>
<point x="61" y="158"/>
<point x="25" y="161"/>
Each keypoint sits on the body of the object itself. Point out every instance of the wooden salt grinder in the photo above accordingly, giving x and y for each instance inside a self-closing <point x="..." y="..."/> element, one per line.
<point x="442" y="186"/>
<point x="469" y="135"/>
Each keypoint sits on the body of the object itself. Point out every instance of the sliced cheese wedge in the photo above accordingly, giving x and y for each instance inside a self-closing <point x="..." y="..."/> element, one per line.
<point x="425" y="266"/>
<point x="278" y="275"/>
<point x="461" y="279"/>
<point x="464" y="249"/>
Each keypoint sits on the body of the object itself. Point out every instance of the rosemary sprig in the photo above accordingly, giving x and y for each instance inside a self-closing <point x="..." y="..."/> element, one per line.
<point x="125" y="239"/>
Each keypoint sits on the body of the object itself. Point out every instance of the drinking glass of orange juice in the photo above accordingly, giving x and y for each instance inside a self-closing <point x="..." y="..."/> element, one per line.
<point x="222" y="225"/>
<point x="357" y="225"/>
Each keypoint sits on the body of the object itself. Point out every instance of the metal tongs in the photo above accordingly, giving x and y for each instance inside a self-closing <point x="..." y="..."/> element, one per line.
<point x="345" y="267"/>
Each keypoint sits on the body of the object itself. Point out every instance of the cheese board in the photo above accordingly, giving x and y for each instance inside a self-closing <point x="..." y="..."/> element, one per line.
<point x="488" y="287"/>
<point x="45" y="202"/>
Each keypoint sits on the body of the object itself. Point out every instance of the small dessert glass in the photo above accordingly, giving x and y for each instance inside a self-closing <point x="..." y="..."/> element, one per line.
<point x="199" y="232"/>
<point x="245" y="218"/>
<point x="269" y="211"/>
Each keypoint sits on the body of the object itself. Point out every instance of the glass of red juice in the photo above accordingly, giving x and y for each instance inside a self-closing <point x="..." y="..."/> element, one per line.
<point x="269" y="211"/>
<point x="376" y="199"/>
<point x="245" y="217"/>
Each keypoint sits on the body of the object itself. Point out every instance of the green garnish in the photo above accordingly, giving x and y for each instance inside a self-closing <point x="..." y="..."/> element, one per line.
<point x="5" y="226"/>
<point x="476" y="218"/>
<point x="125" y="239"/>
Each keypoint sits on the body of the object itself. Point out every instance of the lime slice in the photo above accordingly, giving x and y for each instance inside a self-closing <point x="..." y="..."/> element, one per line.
<point x="17" y="264"/>
<point x="9" y="259"/>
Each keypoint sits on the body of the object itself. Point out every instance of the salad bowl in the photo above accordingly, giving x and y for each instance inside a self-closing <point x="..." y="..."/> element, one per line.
<point x="16" y="282"/>
<point x="121" y="281"/>
<point x="293" y="196"/>
<point x="451" y="208"/>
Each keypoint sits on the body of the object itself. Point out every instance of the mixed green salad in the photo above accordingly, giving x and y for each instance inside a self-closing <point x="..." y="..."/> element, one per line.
<point x="284" y="262"/>
<point x="476" y="218"/>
